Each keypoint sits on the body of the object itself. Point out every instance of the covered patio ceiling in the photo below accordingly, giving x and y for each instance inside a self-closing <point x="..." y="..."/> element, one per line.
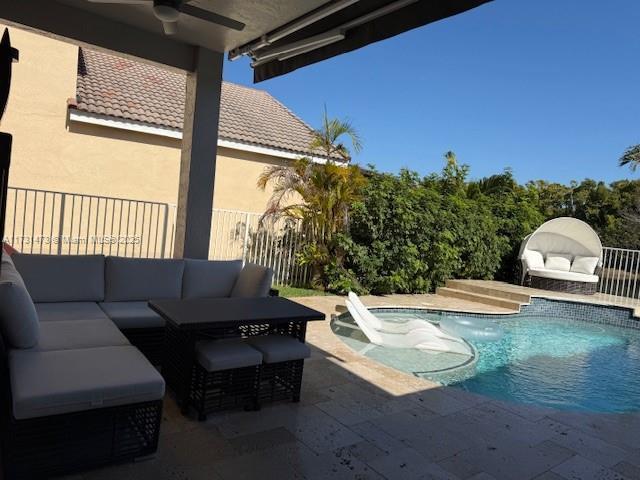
<point x="279" y="35"/>
<point x="193" y="35"/>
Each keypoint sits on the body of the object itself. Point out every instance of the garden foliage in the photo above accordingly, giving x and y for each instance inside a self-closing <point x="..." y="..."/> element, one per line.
<point x="408" y="234"/>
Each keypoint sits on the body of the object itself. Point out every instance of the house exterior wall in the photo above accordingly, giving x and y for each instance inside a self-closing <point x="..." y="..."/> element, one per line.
<point x="52" y="153"/>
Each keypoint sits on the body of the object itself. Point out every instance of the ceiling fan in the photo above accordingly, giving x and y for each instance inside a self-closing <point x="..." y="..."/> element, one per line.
<point x="169" y="11"/>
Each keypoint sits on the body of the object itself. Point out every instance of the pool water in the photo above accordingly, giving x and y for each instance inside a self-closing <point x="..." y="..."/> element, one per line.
<point x="543" y="361"/>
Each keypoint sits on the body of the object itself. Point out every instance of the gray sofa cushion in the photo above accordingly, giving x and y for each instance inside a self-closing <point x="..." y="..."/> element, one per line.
<point x="63" y="381"/>
<point x="216" y="355"/>
<point x="18" y="316"/>
<point x="74" y="334"/>
<point x="253" y="281"/>
<point x="55" y="312"/>
<point x="132" y="315"/>
<point x="280" y="348"/>
<point x="142" y="279"/>
<point x="209" y="279"/>
<point x="62" y="278"/>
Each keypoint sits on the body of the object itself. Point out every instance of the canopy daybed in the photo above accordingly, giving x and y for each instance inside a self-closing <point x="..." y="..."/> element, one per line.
<point x="563" y="254"/>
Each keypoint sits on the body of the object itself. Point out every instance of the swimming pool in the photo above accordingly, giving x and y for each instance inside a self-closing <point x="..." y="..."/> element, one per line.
<point x="555" y="354"/>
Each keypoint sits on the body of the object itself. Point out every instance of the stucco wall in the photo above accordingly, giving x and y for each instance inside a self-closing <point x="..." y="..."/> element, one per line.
<point x="52" y="153"/>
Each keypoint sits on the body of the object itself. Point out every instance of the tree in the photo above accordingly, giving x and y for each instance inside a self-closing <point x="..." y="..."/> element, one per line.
<point x="631" y="157"/>
<point x="318" y="194"/>
<point x="327" y="139"/>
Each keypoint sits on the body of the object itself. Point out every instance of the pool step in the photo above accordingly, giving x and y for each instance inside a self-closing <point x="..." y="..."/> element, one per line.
<point x="483" y="289"/>
<point x="479" y="298"/>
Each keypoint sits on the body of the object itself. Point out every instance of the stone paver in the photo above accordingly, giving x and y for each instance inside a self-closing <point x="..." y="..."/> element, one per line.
<point x="361" y="420"/>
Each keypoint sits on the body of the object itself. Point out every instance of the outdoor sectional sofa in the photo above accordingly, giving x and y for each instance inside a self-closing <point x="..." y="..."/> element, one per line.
<point x="78" y="347"/>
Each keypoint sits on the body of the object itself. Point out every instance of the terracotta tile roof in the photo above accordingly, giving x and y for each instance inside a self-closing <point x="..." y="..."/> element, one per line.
<point x="125" y="89"/>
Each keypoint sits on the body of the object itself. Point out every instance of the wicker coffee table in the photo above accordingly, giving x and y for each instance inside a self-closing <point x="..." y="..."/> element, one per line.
<point x="188" y="321"/>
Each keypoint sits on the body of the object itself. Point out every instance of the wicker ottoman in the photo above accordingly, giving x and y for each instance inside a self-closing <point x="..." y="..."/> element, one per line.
<point x="225" y="376"/>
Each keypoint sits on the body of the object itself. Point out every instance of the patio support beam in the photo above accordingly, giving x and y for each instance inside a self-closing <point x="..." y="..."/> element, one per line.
<point x="198" y="160"/>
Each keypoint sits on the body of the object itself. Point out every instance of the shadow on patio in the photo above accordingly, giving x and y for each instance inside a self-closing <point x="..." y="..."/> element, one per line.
<point x="359" y="419"/>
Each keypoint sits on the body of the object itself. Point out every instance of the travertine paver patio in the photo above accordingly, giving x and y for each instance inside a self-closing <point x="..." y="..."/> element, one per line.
<point x="359" y="419"/>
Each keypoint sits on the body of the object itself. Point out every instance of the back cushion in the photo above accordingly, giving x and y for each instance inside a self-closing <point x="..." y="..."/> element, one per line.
<point x="18" y="317"/>
<point x="535" y="260"/>
<point x="62" y="278"/>
<point x="558" y="261"/>
<point x="253" y="281"/>
<point x="141" y="279"/>
<point x="209" y="279"/>
<point x="585" y="265"/>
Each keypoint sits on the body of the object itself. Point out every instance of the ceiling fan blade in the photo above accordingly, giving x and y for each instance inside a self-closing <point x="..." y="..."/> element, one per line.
<point x="122" y="2"/>
<point x="170" y="28"/>
<point x="212" y="17"/>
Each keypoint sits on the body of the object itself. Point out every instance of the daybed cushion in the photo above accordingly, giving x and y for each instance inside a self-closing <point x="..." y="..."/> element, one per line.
<point x="138" y="279"/>
<point x="216" y="355"/>
<point x="209" y="279"/>
<point x="584" y="264"/>
<point x="62" y="278"/>
<point x="73" y="334"/>
<point x="533" y="258"/>
<point x="558" y="275"/>
<point x="18" y="316"/>
<point x="253" y="281"/>
<point x="558" y="261"/>
<point x="63" y="381"/>
<point x="63" y="311"/>
<point x="132" y="315"/>
<point x="280" y="348"/>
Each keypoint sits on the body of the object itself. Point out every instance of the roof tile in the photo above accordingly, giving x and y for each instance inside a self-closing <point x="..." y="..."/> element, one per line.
<point x="138" y="91"/>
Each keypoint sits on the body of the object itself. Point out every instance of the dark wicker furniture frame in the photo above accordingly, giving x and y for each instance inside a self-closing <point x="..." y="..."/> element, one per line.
<point x="215" y="391"/>
<point x="150" y="341"/>
<point x="566" y="286"/>
<point x="67" y="443"/>
<point x="280" y="381"/>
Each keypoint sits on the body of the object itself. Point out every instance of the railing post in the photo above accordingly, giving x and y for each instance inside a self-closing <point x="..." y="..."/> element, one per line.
<point x="163" y="241"/>
<point x="61" y="222"/>
<point x="245" y="241"/>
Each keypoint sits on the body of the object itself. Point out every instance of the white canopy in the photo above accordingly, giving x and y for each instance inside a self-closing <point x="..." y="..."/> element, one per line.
<point x="564" y="235"/>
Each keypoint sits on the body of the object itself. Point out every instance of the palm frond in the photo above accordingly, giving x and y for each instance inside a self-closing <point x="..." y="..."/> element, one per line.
<point x="631" y="157"/>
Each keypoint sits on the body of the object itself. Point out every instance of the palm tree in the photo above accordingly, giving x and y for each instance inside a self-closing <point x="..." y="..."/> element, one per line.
<point x="328" y="138"/>
<point x="317" y="194"/>
<point x="631" y="157"/>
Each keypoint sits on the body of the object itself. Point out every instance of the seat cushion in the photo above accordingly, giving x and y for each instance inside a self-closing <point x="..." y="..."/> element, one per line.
<point x="584" y="264"/>
<point x="253" y="281"/>
<point x="209" y="279"/>
<point x="18" y="317"/>
<point x="132" y="315"/>
<point x="74" y="334"/>
<point x="63" y="381"/>
<point x="560" y="275"/>
<point x="142" y="279"/>
<point x="62" y="278"/>
<point x="63" y="311"/>
<point x="279" y="348"/>
<point x="558" y="261"/>
<point x="215" y="355"/>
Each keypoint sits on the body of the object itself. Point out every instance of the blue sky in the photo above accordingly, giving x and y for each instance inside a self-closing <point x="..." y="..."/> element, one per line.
<point x="550" y="88"/>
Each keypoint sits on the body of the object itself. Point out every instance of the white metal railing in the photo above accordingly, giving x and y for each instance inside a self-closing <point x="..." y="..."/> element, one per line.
<point x="620" y="272"/>
<point x="43" y="221"/>
<point x="237" y="234"/>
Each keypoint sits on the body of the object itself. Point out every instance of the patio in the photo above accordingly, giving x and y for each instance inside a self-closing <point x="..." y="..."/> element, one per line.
<point x="356" y="418"/>
<point x="359" y="419"/>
